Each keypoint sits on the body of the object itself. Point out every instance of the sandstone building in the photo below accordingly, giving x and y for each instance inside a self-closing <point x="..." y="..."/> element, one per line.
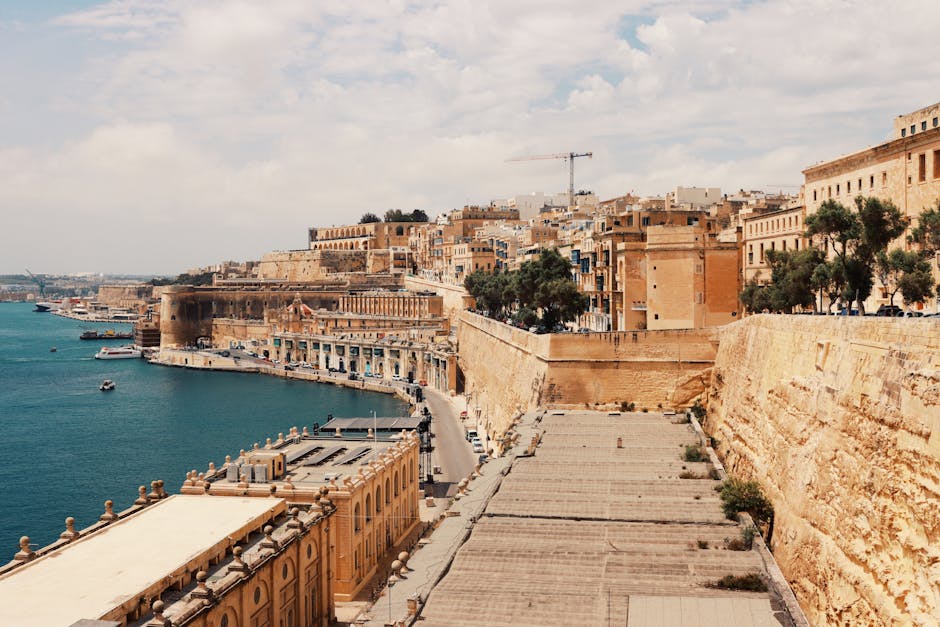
<point x="904" y="170"/>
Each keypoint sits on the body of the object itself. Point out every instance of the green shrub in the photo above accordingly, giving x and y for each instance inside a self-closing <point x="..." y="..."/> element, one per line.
<point x="751" y="582"/>
<point x="745" y="496"/>
<point x="698" y="410"/>
<point x="694" y="453"/>
<point x="625" y="406"/>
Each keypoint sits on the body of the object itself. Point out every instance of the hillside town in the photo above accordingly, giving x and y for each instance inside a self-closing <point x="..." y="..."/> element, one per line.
<point x="558" y="334"/>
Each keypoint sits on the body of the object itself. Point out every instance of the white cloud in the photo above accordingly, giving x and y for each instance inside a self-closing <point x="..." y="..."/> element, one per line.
<point x="227" y="127"/>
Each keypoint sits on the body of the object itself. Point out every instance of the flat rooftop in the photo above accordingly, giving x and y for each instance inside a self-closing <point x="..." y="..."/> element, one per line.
<point x="382" y="423"/>
<point x="586" y="533"/>
<point x="96" y="574"/>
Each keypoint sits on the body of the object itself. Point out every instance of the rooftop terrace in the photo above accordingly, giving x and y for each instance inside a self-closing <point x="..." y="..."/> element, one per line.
<point x="95" y="576"/>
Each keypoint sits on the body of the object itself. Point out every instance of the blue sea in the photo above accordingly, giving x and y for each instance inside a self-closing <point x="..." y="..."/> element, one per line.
<point x="69" y="447"/>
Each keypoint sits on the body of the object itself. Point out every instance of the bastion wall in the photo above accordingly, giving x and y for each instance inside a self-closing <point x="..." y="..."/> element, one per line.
<point x="838" y="418"/>
<point x="508" y="370"/>
<point x="456" y="298"/>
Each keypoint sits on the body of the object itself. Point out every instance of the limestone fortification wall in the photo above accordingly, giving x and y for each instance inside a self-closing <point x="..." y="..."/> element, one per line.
<point x="839" y="420"/>
<point x="509" y="370"/>
<point x="456" y="298"/>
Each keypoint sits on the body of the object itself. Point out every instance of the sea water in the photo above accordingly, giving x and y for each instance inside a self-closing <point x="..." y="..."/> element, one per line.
<point x="67" y="446"/>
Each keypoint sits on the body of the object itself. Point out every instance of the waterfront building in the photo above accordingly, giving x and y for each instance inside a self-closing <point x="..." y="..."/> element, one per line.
<point x="192" y="560"/>
<point x="371" y="483"/>
<point x="411" y="354"/>
<point x="904" y="170"/>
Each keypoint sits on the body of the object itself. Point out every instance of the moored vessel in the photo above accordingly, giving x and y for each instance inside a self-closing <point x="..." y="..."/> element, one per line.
<point x="123" y="352"/>
<point x="106" y="386"/>
<point x="110" y="334"/>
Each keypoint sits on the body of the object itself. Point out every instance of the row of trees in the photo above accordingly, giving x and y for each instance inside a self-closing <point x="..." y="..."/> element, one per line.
<point x="541" y="293"/>
<point x="852" y="252"/>
<point x="395" y="215"/>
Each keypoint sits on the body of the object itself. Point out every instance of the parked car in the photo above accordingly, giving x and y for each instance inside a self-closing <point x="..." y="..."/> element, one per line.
<point x="889" y="311"/>
<point x="396" y="377"/>
<point x="477" y="446"/>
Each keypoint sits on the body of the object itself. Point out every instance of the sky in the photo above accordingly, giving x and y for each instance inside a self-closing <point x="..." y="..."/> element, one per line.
<point x="143" y="136"/>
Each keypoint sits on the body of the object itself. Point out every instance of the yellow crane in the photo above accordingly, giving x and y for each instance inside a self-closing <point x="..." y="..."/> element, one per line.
<point x="569" y="157"/>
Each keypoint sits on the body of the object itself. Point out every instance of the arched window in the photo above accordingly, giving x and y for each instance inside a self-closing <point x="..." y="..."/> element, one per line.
<point x="396" y="483"/>
<point x="399" y="230"/>
<point x="357" y="518"/>
<point x="404" y="481"/>
<point x="368" y="507"/>
<point x="378" y="499"/>
<point x="388" y="493"/>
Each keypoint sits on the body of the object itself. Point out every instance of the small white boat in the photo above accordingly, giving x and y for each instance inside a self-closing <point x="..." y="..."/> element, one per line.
<point x="123" y="352"/>
<point x="107" y="385"/>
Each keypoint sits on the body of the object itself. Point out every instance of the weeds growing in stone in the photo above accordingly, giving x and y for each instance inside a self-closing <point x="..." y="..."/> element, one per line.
<point x="751" y="582"/>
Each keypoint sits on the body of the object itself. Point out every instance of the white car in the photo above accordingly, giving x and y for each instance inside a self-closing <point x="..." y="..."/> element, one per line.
<point x="396" y="377"/>
<point x="477" y="445"/>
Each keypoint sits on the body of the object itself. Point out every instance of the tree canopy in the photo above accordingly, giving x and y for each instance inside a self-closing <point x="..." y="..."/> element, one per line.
<point x="397" y="215"/>
<point x="856" y="239"/>
<point x="540" y="293"/>
<point x="369" y="218"/>
<point x="851" y="253"/>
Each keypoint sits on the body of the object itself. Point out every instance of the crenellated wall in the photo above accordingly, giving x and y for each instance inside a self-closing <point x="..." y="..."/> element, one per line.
<point x="508" y="370"/>
<point x="839" y="420"/>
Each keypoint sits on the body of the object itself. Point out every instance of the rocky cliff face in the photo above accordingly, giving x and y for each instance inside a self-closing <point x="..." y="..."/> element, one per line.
<point x="839" y="420"/>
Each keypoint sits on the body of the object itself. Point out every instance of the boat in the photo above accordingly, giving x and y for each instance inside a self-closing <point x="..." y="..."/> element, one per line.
<point x="107" y="385"/>
<point x="53" y="349"/>
<point x="123" y="352"/>
<point x="47" y="306"/>
<point x="110" y="334"/>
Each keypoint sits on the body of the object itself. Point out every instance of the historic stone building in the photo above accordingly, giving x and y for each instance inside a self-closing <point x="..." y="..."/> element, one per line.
<point x="778" y="230"/>
<point x="371" y="483"/>
<point x="192" y="560"/>
<point x="904" y="170"/>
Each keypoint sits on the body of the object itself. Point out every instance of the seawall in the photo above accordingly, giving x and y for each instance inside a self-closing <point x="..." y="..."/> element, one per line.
<point x="839" y="420"/>
<point x="509" y="371"/>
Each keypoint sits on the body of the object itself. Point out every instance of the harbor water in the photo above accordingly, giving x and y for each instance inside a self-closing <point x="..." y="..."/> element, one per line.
<point x="69" y="446"/>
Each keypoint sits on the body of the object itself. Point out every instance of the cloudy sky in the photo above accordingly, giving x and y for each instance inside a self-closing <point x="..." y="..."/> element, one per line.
<point x="152" y="136"/>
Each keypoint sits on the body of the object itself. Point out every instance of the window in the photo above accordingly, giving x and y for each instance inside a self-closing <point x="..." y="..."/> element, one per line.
<point x="646" y="220"/>
<point x="784" y="243"/>
<point x="871" y="181"/>
<point x="814" y="194"/>
<point x="935" y="120"/>
<point x="903" y="132"/>
<point x="923" y="125"/>
<point x="922" y="167"/>
<point x="859" y="184"/>
<point x="848" y="187"/>
<point x="884" y="179"/>
<point x="830" y="191"/>
<point x="913" y="128"/>
<point x="796" y="243"/>
<point x="357" y="518"/>
<point x="761" y="254"/>
<point x="838" y="190"/>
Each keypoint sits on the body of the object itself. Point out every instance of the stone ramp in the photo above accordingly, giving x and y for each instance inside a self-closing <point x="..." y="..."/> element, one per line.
<point x="585" y="524"/>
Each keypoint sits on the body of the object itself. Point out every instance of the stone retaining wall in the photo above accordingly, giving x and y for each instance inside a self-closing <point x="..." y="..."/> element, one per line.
<point x="839" y="420"/>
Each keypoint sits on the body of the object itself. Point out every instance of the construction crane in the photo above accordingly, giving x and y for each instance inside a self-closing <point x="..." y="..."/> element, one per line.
<point x="39" y="282"/>
<point x="569" y="157"/>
